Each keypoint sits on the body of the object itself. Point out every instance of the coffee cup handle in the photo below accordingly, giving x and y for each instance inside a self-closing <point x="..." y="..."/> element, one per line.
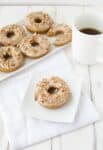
<point x="99" y="58"/>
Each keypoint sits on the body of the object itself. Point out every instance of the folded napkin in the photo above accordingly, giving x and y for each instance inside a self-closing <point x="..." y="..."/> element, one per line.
<point x="23" y="131"/>
<point x="3" y="137"/>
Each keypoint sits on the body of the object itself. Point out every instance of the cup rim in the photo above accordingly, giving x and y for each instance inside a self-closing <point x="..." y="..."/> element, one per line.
<point x="82" y="14"/>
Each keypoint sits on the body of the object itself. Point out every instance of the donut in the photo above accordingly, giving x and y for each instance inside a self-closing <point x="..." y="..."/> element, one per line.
<point x="34" y="46"/>
<point x="52" y="92"/>
<point x="10" y="59"/>
<point x="38" y="22"/>
<point x="63" y="34"/>
<point x="11" y="35"/>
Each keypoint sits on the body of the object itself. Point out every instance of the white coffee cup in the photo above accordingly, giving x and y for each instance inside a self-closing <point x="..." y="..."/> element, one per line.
<point x="86" y="48"/>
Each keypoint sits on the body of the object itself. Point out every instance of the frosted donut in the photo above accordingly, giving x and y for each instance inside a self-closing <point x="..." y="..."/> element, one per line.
<point x="10" y="59"/>
<point x="34" y="46"/>
<point x="38" y="22"/>
<point x="63" y="34"/>
<point x="52" y="92"/>
<point x="11" y="35"/>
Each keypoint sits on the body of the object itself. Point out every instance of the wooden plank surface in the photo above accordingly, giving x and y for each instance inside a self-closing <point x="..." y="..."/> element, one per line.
<point x="43" y="2"/>
<point x="53" y="2"/>
<point x="81" y="139"/>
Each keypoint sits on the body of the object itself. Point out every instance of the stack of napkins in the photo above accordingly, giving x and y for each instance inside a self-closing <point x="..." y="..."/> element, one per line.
<point x="22" y="129"/>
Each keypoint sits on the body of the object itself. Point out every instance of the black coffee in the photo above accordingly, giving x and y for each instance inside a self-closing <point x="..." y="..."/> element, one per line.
<point x="90" y="31"/>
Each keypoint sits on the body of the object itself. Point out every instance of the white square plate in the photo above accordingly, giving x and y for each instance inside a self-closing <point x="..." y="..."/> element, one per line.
<point x="65" y="114"/>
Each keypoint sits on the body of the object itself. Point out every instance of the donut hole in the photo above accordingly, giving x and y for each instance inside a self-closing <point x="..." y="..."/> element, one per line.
<point x="52" y="90"/>
<point x="10" y="34"/>
<point x="37" y="20"/>
<point x="59" y="33"/>
<point x="33" y="43"/>
<point x="6" y="56"/>
<point x="1" y="45"/>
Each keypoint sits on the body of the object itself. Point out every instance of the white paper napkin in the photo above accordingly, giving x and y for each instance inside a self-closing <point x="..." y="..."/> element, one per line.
<point x="3" y="137"/>
<point x="23" y="131"/>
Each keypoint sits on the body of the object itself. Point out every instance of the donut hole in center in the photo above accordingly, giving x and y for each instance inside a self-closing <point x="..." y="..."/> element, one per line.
<point x="37" y="20"/>
<point x="10" y="34"/>
<point x="59" y="33"/>
<point x="34" y="43"/>
<point x="1" y="45"/>
<point x="52" y="90"/>
<point x="6" y="56"/>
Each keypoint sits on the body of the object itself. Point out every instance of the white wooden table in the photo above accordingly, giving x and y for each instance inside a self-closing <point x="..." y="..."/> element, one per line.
<point x="87" y="138"/>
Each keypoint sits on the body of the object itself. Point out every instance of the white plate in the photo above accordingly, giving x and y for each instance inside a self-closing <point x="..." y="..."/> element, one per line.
<point x="30" y="62"/>
<point x="67" y="113"/>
